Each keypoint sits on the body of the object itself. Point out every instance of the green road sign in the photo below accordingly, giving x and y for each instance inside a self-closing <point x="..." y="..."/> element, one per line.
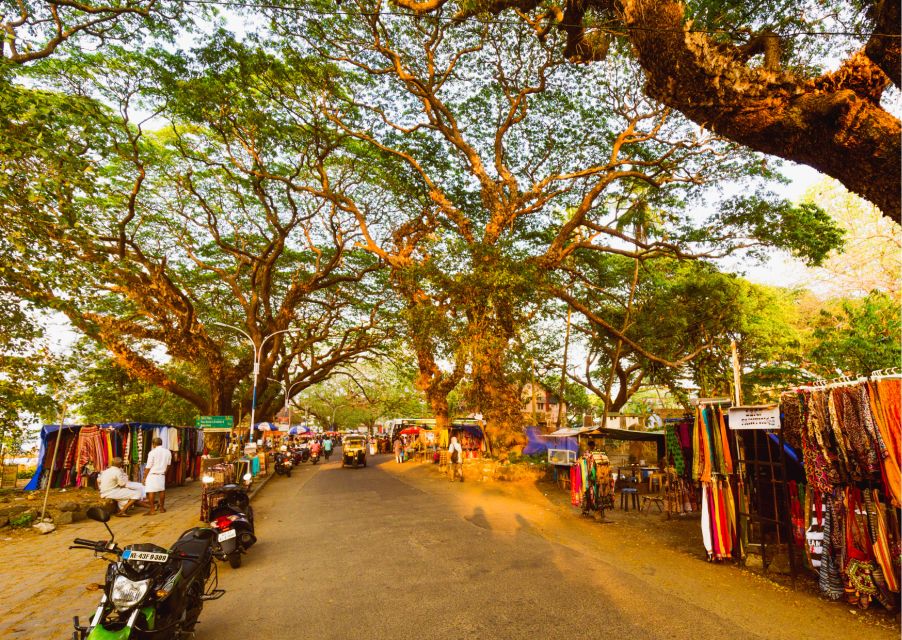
<point x="213" y="422"/>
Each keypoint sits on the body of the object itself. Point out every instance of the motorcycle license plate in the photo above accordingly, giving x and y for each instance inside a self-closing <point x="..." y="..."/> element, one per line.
<point x="144" y="556"/>
<point x="227" y="535"/>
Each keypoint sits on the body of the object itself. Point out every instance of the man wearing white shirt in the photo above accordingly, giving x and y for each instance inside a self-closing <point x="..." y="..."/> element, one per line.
<point x="114" y="485"/>
<point x="155" y="475"/>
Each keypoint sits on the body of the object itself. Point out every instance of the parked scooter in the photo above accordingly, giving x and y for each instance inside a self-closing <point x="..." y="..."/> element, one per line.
<point x="283" y="463"/>
<point x="233" y="519"/>
<point x="150" y="592"/>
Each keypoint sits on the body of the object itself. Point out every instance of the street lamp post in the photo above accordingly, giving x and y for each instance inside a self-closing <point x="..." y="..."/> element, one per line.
<point x="258" y="351"/>
<point x="287" y="391"/>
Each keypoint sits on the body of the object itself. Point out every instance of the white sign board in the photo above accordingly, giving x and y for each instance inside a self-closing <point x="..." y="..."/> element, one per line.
<point x="758" y="417"/>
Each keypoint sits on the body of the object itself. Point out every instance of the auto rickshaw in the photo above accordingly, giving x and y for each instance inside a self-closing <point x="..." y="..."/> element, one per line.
<point x="353" y="451"/>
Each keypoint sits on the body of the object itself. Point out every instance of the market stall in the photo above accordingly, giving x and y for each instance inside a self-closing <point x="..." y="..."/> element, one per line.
<point x="86" y="450"/>
<point x="845" y="514"/>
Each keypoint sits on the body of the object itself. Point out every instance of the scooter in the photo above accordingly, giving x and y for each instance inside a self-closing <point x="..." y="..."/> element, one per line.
<point x="233" y="519"/>
<point x="283" y="464"/>
<point x="149" y="591"/>
<point x="314" y="457"/>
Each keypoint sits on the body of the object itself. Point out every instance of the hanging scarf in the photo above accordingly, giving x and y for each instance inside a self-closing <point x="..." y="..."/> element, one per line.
<point x="673" y="448"/>
<point x="883" y="396"/>
<point x="727" y="461"/>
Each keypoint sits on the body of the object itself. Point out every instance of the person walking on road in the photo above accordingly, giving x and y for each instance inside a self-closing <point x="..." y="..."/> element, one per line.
<point x="456" y="459"/>
<point x="155" y="475"/>
<point x="398" y="451"/>
<point x="114" y="485"/>
<point x="327" y="447"/>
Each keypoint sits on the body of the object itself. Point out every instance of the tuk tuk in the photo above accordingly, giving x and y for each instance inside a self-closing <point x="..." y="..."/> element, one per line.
<point x="353" y="451"/>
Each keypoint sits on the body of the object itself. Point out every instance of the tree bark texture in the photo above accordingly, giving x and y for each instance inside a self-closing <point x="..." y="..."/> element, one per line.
<point x="833" y="123"/>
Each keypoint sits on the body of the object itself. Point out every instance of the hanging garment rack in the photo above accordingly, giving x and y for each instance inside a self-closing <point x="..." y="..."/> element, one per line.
<point x="883" y="374"/>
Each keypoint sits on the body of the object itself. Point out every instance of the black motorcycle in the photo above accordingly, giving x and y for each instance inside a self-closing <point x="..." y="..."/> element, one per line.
<point x="149" y="591"/>
<point x="233" y="519"/>
<point x="283" y="464"/>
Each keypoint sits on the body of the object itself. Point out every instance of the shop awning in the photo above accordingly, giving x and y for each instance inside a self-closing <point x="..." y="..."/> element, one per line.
<point x="566" y="432"/>
<point x="625" y="434"/>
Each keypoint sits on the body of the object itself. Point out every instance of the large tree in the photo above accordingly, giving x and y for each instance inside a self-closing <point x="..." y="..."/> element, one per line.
<point x="751" y="71"/>
<point x="145" y="239"/>
<point x="486" y="198"/>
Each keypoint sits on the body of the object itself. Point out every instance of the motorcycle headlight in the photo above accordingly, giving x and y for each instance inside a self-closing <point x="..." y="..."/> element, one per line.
<point x="127" y="593"/>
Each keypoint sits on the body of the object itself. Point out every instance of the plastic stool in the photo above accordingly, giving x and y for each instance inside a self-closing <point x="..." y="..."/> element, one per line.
<point x="625" y="494"/>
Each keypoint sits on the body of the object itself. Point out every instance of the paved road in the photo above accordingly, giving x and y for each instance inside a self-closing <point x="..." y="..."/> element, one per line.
<point x="394" y="552"/>
<point x="353" y="553"/>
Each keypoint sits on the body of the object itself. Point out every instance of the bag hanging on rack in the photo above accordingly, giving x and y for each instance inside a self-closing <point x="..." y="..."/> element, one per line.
<point x="860" y="585"/>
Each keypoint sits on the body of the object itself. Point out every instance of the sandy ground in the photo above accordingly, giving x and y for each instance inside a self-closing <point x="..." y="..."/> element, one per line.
<point x="397" y="551"/>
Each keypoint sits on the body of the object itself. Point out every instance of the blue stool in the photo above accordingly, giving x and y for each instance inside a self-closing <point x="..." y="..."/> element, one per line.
<point x="625" y="494"/>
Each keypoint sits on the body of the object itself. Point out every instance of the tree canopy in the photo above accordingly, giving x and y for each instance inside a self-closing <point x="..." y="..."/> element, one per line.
<point x="399" y="182"/>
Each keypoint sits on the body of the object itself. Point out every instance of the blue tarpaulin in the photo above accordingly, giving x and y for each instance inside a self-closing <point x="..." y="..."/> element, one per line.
<point x="538" y="443"/>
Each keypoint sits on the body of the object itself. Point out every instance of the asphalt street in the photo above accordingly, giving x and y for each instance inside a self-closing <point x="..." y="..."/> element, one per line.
<point x="396" y="551"/>
<point x="361" y="553"/>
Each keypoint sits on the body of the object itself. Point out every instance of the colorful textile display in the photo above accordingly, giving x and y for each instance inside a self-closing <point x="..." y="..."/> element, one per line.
<point x="86" y="450"/>
<point x="850" y="436"/>
<point x="712" y="467"/>
<point x="596" y="483"/>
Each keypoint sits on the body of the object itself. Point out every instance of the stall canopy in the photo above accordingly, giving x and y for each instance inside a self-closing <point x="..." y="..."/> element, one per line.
<point x="541" y="442"/>
<point x="266" y="426"/>
<point x="471" y="429"/>
<point x="625" y="434"/>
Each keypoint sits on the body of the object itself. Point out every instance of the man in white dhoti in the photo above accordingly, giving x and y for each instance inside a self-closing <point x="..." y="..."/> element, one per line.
<point x="155" y="475"/>
<point x="114" y="485"/>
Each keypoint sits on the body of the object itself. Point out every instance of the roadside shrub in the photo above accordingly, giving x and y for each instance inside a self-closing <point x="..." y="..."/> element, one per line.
<point x="22" y="520"/>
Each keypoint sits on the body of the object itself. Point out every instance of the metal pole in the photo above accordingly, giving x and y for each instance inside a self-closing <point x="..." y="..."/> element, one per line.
<point x="250" y="435"/>
<point x="56" y="446"/>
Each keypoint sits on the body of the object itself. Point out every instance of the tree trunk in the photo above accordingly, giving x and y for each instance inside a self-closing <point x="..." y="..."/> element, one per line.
<point x="222" y="393"/>
<point x="498" y="397"/>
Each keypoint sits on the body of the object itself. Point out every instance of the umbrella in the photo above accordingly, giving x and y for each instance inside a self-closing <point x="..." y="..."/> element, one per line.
<point x="409" y="431"/>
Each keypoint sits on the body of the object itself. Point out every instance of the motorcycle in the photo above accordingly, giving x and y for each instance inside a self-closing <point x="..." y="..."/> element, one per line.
<point x="314" y="457"/>
<point x="149" y="591"/>
<point x="283" y="464"/>
<point x="232" y="517"/>
<point x="305" y="454"/>
<point x="296" y="457"/>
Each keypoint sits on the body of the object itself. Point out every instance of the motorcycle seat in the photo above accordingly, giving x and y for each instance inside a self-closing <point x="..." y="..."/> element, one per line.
<point x="196" y="543"/>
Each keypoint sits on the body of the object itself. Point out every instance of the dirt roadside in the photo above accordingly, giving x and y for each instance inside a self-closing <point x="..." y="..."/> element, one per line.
<point x="655" y="551"/>
<point x="44" y="583"/>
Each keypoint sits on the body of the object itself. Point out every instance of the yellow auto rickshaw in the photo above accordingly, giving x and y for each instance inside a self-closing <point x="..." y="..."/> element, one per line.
<point x="353" y="451"/>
